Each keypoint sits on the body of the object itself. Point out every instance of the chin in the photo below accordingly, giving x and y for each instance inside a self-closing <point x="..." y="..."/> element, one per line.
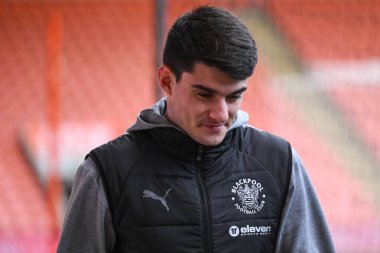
<point x="211" y="142"/>
<point x="209" y="139"/>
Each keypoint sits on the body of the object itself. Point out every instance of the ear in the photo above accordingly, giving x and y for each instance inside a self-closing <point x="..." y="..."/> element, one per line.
<point x="166" y="79"/>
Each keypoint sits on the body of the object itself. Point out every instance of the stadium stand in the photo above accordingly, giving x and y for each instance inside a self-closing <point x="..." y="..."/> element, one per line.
<point x="103" y="82"/>
<point x="107" y="75"/>
<point x="329" y="30"/>
<point x="271" y="109"/>
<point x="339" y="42"/>
<point x="366" y="117"/>
<point x="338" y="46"/>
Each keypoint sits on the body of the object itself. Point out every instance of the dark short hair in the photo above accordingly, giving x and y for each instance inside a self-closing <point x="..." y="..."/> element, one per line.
<point x="211" y="36"/>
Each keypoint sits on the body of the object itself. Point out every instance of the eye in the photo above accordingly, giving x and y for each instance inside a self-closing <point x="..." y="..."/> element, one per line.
<point x="234" y="97"/>
<point x="204" y="95"/>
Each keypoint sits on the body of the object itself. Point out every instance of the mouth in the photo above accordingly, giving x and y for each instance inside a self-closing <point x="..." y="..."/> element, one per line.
<point x="214" y="127"/>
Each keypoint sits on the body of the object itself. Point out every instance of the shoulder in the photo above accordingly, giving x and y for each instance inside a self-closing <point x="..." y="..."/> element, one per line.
<point x="115" y="160"/>
<point x="121" y="143"/>
<point x="127" y="145"/>
<point x="260" y="142"/>
<point x="273" y="152"/>
<point x="89" y="181"/>
<point x="120" y="154"/>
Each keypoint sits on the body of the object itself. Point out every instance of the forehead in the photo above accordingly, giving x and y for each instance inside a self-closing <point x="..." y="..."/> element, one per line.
<point x="211" y="77"/>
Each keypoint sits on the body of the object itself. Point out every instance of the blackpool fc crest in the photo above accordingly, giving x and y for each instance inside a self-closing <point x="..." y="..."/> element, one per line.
<point x="248" y="195"/>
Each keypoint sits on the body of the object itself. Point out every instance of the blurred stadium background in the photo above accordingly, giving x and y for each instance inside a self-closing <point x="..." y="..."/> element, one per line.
<point x="75" y="73"/>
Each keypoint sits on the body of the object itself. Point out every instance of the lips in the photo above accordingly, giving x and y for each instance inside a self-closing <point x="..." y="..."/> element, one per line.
<point x="214" y="128"/>
<point x="211" y="126"/>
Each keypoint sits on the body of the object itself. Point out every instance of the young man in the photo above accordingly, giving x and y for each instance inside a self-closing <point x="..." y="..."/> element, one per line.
<point x="190" y="175"/>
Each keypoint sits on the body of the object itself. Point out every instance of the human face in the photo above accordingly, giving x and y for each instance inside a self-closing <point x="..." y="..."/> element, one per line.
<point x="204" y="103"/>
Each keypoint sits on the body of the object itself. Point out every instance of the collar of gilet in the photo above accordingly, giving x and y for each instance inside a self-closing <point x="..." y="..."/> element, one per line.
<point x="182" y="146"/>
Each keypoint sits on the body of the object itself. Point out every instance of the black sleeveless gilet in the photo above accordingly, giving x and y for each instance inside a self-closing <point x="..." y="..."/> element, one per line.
<point x="166" y="193"/>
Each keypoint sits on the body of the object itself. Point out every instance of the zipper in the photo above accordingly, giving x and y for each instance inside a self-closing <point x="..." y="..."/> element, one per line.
<point x="200" y="153"/>
<point x="205" y="204"/>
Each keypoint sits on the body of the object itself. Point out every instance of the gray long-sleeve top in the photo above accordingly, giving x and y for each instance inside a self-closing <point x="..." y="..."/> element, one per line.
<point x="88" y="223"/>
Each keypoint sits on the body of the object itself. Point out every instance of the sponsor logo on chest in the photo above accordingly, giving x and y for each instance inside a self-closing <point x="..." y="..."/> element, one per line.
<point x="249" y="230"/>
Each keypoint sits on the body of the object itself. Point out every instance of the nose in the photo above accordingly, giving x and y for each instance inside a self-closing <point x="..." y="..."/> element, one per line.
<point x="219" y="111"/>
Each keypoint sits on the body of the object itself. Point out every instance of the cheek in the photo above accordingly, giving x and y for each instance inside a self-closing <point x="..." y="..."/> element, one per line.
<point x="194" y="113"/>
<point x="199" y="111"/>
<point x="185" y="109"/>
<point x="233" y="110"/>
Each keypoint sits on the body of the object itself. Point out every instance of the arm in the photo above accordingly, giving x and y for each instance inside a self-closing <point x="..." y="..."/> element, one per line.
<point x="303" y="227"/>
<point x="88" y="224"/>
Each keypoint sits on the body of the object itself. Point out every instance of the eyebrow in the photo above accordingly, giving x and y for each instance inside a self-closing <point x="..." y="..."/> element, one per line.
<point x="204" y="88"/>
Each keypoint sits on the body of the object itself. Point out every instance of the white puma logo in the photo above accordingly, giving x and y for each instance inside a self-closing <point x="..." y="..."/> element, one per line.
<point x="149" y="194"/>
